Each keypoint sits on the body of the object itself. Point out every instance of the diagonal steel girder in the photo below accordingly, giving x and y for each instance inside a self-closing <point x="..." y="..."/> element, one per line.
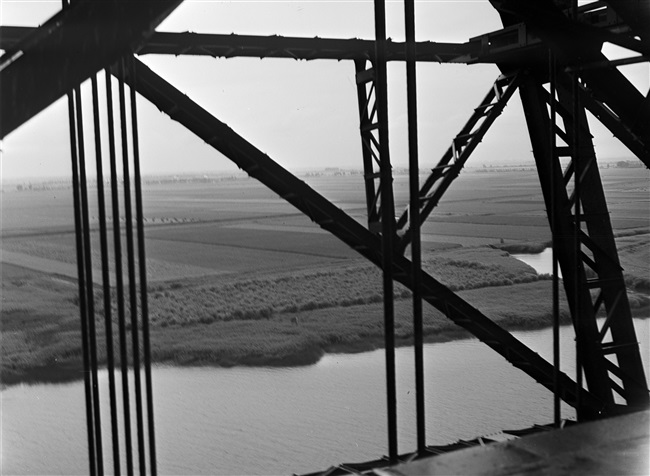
<point x="462" y="146"/>
<point x="621" y="108"/>
<point x="258" y="165"/>
<point x="574" y="44"/>
<point x="370" y="140"/>
<point x="611" y="89"/>
<point x="70" y="47"/>
<point x="600" y="256"/>
<point x="635" y="13"/>
<point x="613" y="122"/>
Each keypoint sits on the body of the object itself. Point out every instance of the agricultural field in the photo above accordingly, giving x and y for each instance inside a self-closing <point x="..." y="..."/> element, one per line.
<point x="237" y="276"/>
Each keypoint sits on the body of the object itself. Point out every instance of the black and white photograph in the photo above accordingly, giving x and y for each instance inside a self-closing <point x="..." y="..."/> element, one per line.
<point x="325" y="237"/>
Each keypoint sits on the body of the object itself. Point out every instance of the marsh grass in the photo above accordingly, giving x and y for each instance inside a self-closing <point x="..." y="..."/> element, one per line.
<point x="231" y="296"/>
<point x="524" y="247"/>
<point x="278" y="319"/>
<point x="336" y="287"/>
<point x="350" y="329"/>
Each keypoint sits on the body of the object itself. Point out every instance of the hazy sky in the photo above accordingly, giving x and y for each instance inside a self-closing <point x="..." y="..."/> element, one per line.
<point x="303" y="114"/>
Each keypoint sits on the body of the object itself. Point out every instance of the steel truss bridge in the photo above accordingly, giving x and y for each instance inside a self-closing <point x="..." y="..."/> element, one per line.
<point x="548" y="50"/>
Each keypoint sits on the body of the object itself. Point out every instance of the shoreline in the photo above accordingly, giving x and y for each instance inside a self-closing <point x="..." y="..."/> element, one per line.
<point x="71" y="372"/>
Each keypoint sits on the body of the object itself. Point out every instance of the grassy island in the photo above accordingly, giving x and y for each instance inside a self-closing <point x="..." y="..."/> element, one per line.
<point x="234" y="323"/>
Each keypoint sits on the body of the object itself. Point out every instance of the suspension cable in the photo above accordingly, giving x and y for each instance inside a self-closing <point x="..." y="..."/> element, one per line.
<point x="81" y="283"/>
<point x="108" y="323"/>
<point x="90" y="295"/>
<point x="118" y="278"/>
<point x="135" y="347"/>
<point x="144" y="307"/>
<point x="90" y="348"/>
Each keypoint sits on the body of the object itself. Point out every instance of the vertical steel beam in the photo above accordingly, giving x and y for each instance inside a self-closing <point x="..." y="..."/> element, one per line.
<point x="598" y="239"/>
<point x="552" y="218"/>
<point x="414" y="218"/>
<point x="599" y="253"/>
<point x="534" y="103"/>
<point x="462" y="146"/>
<point x="577" y="226"/>
<point x="387" y="223"/>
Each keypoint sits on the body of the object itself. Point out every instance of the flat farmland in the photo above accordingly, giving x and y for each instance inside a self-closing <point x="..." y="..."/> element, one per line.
<point x="36" y="211"/>
<point x="290" y="241"/>
<point x="232" y="267"/>
<point x="194" y="251"/>
<point x="235" y="225"/>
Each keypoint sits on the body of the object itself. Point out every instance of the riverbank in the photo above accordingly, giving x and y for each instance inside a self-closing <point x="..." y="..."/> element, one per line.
<point x="633" y="253"/>
<point x="282" y="318"/>
<point x="289" y="339"/>
<point x="237" y="319"/>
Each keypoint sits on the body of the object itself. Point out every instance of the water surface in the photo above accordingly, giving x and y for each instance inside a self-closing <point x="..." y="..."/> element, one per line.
<point x="284" y="420"/>
<point x="541" y="262"/>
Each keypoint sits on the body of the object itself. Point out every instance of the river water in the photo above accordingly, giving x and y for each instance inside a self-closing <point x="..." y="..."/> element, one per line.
<point x="542" y="262"/>
<point x="284" y="420"/>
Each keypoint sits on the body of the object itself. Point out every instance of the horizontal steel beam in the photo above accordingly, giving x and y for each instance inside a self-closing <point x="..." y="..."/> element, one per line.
<point x="41" y="64"/>
<point x="77" y="42"/>
<point x="544" y="21"/>
<point x="231" y="46"/>
<point x="258" y="165"/>
<point x="515" y="44"/>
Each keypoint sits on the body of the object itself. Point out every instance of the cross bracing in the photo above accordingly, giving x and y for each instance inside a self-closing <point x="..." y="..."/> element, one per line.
<point x="43" y="64"/>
